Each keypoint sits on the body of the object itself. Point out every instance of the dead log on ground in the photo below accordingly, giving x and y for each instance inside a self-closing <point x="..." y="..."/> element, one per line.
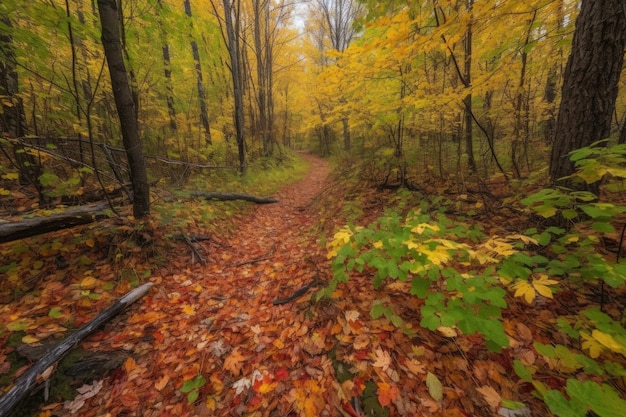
<point x="71" y="217"/>
<point x="210" y="195"/>
<point x="43" y="369"/>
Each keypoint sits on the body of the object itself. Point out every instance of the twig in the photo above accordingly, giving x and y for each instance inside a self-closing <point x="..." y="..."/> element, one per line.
<point x="197" y="257"/>
<point x="265" y="257"/>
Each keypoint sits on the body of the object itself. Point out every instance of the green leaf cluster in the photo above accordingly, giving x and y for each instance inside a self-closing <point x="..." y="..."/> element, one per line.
<point x="192" y="388"/>
<point x="422" y="248"/>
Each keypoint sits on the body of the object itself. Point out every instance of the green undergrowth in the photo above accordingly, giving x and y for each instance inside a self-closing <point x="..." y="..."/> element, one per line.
<point x="262" y="178"/>
<point x="465" y="278"/>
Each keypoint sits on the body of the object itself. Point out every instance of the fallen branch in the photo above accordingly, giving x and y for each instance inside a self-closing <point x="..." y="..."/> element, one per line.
<point x="210" y="195"/>
<point x="296" y="294"/>
<point x="196" y="256"/>
<point x="43" y="369"/>
<point x="269" y="255"/>
<point x="71" y="217"/>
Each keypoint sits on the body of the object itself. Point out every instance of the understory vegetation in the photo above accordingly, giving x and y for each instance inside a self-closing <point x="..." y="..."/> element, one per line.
<point x="466" y="263"/>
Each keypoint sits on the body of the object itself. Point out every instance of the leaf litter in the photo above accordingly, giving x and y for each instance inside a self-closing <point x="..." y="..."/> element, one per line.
<point x="211" y="334"/>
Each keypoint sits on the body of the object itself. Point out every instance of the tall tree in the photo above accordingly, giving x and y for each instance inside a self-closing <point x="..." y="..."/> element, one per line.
<point x="204" y="112"/>
<point x="339" y="18"/>
<point x="590" y="82"/>
<point x="12" y="120"/>
<point x="109" y="19"/>
<point x="230" y="33"/>
<point x="167" y="67"/>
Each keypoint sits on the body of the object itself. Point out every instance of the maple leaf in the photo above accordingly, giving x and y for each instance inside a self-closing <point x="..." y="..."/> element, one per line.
<point x="234" y="362"/>
<point x="387" y="393"/>
<point x="383" y="359"/>
<point x="241" y="385"/>
<point x="415" y="367"/>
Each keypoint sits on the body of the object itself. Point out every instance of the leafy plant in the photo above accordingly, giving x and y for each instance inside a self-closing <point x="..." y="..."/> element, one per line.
<point x="192" y="388"/>
<point x="422" y="249"/>
<point x="458" y="272"/>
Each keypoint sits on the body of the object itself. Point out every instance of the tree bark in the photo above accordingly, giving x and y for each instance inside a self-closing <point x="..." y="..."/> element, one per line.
<point x="12" y="120"/>
<point x="231" y="38"/>
<point x="167" y="68"/>
<point x="35" y="374"/>
<point x="204" y="112"/>
<point x="125" y="106"/>
<point x="590" y="83"/>
<point x="209" y="195"/>
<point x="10" y="231"/>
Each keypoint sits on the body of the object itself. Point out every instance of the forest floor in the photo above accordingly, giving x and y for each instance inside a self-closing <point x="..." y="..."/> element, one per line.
<point x="235" y="336"/>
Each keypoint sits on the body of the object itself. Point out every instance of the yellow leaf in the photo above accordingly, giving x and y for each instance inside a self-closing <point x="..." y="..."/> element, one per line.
<point x="608" y="341"/>
<point x="592" y="345"/>
<point x="188" y="309"/>
<point x="90" y="242"/>
<point x="524" y="289"/>
<point x="30" y="340"/>
<point x="447" y="331"/>
<point x="88" y="283"/>
<point x="543" y="290"/>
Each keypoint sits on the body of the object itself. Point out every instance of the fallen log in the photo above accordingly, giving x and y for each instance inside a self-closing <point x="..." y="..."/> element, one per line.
<point x="74" y="216"/>
<point x="211" y="195"/>
<point x="43" y="369"/>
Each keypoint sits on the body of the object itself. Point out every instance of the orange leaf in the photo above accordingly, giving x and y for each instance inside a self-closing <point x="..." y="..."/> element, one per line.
<point x="387" y="393"/>
<point x="130" y="364"/>
<point x="234" y="362"/>
<point x="161" y="383"/>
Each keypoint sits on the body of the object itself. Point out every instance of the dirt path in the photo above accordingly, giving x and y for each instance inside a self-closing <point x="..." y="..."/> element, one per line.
<point x="218" y="322"/>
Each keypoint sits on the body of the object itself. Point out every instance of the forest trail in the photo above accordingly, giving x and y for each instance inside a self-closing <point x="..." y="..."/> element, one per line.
<point x="218" y="321"/>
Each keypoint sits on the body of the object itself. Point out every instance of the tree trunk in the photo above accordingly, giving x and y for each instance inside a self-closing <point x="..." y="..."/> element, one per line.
<point x="12" y="120"/>
<point x="167" y="69"/>
<point x="467" y="76"/>
<point x="590" y="83"/>
<point x="204" y="113"/>
<point x="10" y="231"/>
<point x="231" y="39"/>
<point x="125" y="106"/>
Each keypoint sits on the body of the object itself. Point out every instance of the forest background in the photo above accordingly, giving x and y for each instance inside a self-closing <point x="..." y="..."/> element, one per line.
<point x="443" y="97"/>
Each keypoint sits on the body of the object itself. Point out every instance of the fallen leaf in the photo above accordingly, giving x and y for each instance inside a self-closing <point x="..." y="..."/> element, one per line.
<point x="234" y="362"/>
<point x="435" y="389"/>
<point x="387" y="393"/>
<point x="162" y="382"/>
<point x="361" y="341"/>
<point x="490" y="395"/>
<point x="383" y="359"/>
<point x="352" y="315"/>
<point x="188" y="309"/>
<point x="415" y="367"/>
